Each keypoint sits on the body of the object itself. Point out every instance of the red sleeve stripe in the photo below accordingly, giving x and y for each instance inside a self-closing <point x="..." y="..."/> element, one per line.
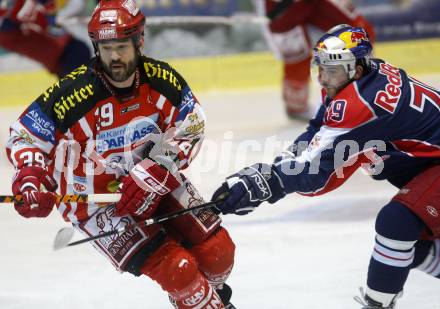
<point x="417" y="148"/>
<point x="342" y="173"/>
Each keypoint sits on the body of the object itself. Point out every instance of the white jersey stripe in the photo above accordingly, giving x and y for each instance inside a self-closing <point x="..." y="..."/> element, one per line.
<point x="160" y="102"/>
<point x="88" y="164"/>
<point x="86" y="128"/>
<point x="168" y="119"/>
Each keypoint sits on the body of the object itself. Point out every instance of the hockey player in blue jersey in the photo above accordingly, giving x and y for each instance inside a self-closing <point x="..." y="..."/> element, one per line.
<point x="375" y="116"/>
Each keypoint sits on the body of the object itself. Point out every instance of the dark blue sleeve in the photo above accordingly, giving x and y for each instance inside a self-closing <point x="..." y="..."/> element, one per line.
<point x="314" y="125"/>
<point x="333" y="155"/>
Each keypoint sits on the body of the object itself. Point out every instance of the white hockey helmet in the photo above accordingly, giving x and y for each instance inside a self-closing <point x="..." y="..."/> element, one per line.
<point x="343" y="45"/>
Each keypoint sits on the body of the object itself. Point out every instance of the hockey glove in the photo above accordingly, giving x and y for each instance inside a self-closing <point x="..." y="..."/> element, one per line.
<point x="28" y="182"/>
<point x="143" y="189"/>
<point x="247" y="189"/>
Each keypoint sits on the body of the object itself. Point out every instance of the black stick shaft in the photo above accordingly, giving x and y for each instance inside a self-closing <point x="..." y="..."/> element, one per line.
<point x="147" y="222"/>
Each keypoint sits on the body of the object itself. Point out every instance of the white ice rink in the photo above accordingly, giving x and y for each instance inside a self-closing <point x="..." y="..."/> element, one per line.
<point x="300" y="253"/>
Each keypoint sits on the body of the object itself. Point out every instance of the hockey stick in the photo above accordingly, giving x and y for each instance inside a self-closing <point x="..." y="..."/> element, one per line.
<point x="65" y="235"/>
<point x="70" y="198"/>
<point x="177" y="20"/>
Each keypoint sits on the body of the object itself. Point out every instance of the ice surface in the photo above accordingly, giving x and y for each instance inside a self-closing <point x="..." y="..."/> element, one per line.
<point x="300" y="253"/>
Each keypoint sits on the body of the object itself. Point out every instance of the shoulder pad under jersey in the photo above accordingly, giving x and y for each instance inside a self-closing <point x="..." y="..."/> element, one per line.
<point x="164" y="79"/>
<point x="71" y="97"/>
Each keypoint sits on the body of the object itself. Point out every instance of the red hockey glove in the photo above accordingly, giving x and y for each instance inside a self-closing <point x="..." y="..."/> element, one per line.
<point x="27" y="182"/>
<point x="143" y="189"/>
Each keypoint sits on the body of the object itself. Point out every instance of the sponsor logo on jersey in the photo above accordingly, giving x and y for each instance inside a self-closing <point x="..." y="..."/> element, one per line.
<point x="125" y="135"/>
<point x="39" y="124"/>
<point x="72" y="75"/>
<point x="78" y="187"/>
<point x="120" y="244"/>
<point x="388" y="98"/>
<point x="123" y="243"/>
<point x="79" y="184"/>
<point x="130" y="108"/>
<point x="192" y="198"/>
<point x="66" y="103"/>
<point x="156" y="71"/>
<point x="187" y="105"/>
<point x="26" y="137"/>
<point x="196" y="126"/>
<point x="188" y="100"/>
<point x="196" y="298"/>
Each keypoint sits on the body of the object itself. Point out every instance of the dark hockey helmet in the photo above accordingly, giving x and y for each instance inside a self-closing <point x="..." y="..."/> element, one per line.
<point x="343" y="45"/>
<point x="116" y="19"/>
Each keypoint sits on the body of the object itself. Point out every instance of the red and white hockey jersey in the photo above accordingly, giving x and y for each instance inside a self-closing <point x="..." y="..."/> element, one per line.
<point x="88" y="136"/>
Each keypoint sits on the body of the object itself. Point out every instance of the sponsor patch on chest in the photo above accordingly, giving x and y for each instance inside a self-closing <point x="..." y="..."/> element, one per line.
<point x="388" y="98"/>
<point x="126" y="135"/>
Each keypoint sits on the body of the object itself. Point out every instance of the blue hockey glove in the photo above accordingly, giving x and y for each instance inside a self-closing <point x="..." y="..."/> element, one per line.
<point x="247" y="189"/>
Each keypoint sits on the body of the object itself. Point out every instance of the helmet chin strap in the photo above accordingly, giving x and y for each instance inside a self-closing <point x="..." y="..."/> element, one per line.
<point x="351" y="74"/>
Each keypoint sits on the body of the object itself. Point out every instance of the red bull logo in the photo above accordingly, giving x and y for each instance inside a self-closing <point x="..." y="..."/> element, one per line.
<point x="358" y="37"/>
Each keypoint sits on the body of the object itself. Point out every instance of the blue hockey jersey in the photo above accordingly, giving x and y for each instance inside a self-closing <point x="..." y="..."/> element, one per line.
<point x="386" y="122"/>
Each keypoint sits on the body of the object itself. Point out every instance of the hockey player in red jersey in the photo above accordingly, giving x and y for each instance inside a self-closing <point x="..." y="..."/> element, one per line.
<point x="130" y="122"/>
<point x="373" y="115"/>
<point x="289" y="38"/>
<point x="27" y="27"/>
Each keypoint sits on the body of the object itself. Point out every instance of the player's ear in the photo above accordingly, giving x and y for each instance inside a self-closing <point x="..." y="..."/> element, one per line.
<point x="359" y="72"/>
<point x="141" y="43"/>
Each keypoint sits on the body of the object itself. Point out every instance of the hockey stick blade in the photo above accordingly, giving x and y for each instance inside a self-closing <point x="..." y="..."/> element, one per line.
<point x="65" y="235"/>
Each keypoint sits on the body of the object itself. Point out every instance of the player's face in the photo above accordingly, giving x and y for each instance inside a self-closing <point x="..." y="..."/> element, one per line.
<point x="332" y="78"/>
<point x="118" y="58"/>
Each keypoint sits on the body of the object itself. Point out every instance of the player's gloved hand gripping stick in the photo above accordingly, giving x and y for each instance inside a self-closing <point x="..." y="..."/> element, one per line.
<point x="65" y="235"/>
